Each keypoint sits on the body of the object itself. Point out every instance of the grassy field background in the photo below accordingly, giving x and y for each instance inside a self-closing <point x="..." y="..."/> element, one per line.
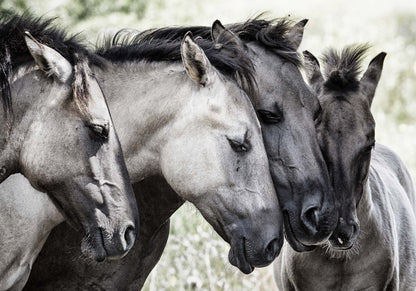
<point x="195" y="257"/>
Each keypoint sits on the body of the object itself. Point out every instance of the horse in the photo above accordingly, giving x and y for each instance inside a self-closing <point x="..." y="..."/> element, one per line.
<point x="373" y="246"/>
<point x="56" y="130"/>
<point x="287" y="133"/>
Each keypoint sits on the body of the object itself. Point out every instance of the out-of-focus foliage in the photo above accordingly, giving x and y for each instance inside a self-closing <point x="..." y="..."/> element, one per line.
<point x="195" y="257"/>
<point x="87" y="15"/>
<point x="401" y="90"/>
<point x="83" y="9"/>
<point x="201" y="260"/>
<point x="79" y="10"/>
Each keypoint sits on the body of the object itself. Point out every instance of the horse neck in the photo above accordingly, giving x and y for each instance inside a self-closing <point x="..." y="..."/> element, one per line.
<point x="365" y="206"/>
<point x="144" y="99"/>
<point x="32" y="216"/>
<point x="368" y="212"/>
<point x="157" y="201"/>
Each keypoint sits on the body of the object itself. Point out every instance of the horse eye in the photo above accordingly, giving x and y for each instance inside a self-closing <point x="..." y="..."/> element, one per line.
<point x="238" y="146"/>
<point x="99" y="130"/>
<point x="269" y="117"/>
<point x="368" y="148"/>
<point x="317" y="113"/>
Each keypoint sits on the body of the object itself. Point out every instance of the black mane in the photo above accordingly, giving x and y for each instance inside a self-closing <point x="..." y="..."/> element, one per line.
<point x="342" y="68"/>
<point x="14" y="52"/>
<point x="270" y="34"/>
<point x="127" y="46"/>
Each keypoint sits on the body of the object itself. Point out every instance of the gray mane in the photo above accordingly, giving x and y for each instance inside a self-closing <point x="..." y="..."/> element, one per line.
<point x="342" y="68"/>
<point x="128" y="46"/>
<point x="270" y="34"/>
<point x="14" y="52"/>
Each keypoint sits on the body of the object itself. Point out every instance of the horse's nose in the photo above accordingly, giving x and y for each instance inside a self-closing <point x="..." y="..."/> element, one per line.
<point x="310" y="218"/>
<point x="128" y="237"/>
<point x="261" y="248"/>
<point x="272" y="250"/>
<point x="345" y="234"/>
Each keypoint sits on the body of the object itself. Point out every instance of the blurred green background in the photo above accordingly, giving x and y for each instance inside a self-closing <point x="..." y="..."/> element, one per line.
<point x="195" y="257"/>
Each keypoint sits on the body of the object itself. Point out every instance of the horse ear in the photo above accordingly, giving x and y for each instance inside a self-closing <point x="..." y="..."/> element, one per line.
<point x="313" y="71"/>
<point x="49" y="60"/>
<point x="196" y="63"/>
<point x="295" y="33"/>
<point x="372" y="75"/>
<point x="221" y="35"/>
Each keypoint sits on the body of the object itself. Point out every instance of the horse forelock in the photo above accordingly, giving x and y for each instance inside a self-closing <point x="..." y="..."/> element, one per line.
<point x="80" y="89"/>
<point x="342" y="68"/>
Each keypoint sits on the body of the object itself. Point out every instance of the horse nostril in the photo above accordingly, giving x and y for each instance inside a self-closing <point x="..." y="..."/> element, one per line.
<point x="272" y="250"/>
<point x="129" y="237"/>
<point x="310" y="219"/>
<point x="355" y="229"/>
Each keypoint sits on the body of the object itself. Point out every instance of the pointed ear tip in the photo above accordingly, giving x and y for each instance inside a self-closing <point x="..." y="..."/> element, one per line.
<point x="30" y="40"/>
<point x="217" y="22"/>
<point x="304" y="21"/>
<point x="380" y="57"/>
<point x="27" y="37"/>
<point x="307" y="54"/>
<point x="188" y="36"/>
<point x="31" y="43"/>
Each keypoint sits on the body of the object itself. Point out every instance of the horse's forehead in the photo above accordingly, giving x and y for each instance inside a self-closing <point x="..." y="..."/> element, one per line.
<point x="232" y="104"/>
<point x="346" y="116"/>
<point x="278" y="81"/>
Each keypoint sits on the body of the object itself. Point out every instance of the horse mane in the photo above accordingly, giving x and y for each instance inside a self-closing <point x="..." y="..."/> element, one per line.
<point x="14" y="51"/>
<point x="342" y="68"/>
<point x="125" y="46"/>
<point x="270" y="34"/>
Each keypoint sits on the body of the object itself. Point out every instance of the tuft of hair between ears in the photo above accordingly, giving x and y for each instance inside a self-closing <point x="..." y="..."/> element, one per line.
<point x="342" y="68"/>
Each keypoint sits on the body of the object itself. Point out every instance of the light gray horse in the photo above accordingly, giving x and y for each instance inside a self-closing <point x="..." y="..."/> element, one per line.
<point x="197" y="129"/>
<point x="57" y="131"/>
<point x="373" y="246"/>
<point x="286" y="112"/>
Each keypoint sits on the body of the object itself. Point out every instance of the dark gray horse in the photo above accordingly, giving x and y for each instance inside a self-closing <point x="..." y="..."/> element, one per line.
<point x="286" y="112"/>
<point x="373" y="246"/>
<point x="56" y="130"/>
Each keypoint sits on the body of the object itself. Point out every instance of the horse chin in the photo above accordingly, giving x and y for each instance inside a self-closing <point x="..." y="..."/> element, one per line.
<point x="92" y="246"/>
<point x="291" y="238"/>
<point x="336" y="248"/>
<point x="237" y="256"/>
<point x="335" y="245"/>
